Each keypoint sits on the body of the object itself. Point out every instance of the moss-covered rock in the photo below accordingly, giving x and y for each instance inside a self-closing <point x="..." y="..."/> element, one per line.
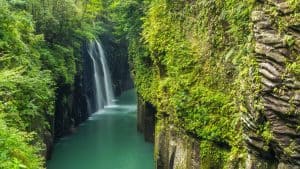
<point x="225" y="72"/>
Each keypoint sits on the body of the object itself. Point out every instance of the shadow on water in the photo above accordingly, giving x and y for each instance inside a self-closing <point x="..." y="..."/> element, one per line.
<point x="107" y="140"/>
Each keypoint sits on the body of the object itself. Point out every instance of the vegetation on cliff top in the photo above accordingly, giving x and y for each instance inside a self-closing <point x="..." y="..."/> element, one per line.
<point x="187" y="57"/>
<point x="191" y="60"/>
<point x="40" y="44"/>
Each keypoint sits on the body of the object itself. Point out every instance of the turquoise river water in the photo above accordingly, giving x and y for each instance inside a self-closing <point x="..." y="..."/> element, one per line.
<point x="107" y="140"/>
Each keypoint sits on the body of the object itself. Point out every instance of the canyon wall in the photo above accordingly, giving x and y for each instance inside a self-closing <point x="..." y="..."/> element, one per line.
<point x="276" y="33"/>
<point x="75" y="103"/>
<point x="224" y="80"/>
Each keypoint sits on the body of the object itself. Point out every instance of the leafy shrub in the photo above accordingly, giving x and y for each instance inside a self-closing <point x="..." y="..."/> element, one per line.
<point x="16" y="151"/>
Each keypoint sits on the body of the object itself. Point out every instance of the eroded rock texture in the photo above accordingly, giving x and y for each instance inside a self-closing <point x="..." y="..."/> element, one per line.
<point x="272" y="122"/>
<point x="175" y="149"/>
<point x="146" y="119"/>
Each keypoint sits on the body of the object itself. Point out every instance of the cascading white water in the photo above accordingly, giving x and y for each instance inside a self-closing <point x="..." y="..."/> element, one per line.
<point x="104" y="92"/>
<point x="99" y="99"/>
<point x="107" y="79"/>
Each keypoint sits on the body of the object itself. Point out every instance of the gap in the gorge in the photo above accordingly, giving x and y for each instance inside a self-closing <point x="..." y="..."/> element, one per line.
<point x="75" y="104"/>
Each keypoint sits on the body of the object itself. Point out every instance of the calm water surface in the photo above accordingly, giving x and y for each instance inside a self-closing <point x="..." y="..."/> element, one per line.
<point x="107" y="140"/>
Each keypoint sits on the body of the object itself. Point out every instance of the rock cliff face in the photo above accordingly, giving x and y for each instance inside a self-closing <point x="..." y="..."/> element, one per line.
<point x="75" y="103"/>
<point x="175" y="149"/>
<point x="72" y="104"/>
<point x="146" y="119"/>
<point x="277" y="48"/>
<point x="71" y="109"/>
<point x="271" y="123"/>
<point x="117" y="57"/>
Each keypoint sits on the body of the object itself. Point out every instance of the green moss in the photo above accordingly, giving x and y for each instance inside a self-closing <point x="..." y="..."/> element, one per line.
<point x="291" y="149"/>
<point x="192" y="60"/>
<point x="294" y="5"/>
<point x="159" y="127"/>
<point x="266" y="133"/>
<point x="212" y="156"/>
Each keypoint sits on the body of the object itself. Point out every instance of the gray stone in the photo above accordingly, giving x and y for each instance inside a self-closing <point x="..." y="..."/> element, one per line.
<point x="269" y="52"/>
<point x="175" y="149"/>
<point x="279" y="97"/>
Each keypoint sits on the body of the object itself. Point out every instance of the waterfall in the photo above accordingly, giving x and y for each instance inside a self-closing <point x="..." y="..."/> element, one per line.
<point x="107" y="79"/>
<point x="102" y="80"/>
<point x="99" y="98"/>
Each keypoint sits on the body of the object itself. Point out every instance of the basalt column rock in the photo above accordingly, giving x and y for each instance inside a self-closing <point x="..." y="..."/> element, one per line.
<point x="174" y="148"/>
<point x="117" y="58"/>
<point x="273" y="118"/>
<point x="146" y="119"/>
<point x="71" y="108"/>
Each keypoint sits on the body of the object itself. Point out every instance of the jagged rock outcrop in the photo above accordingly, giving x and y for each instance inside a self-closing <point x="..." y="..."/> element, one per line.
<point x="146" y="119"/>
<point x="175" y="149"/>
<point x="272" y="122"/>
<point x="71" y="108"/>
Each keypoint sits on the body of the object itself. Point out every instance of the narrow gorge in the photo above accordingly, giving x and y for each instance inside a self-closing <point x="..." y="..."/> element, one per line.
<point x="150" y="84"/>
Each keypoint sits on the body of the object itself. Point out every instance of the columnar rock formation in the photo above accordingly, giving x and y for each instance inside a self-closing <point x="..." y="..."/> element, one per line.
<point x="146" y="119"/>
<point x="271" y="124"/>
<point x="194" y="60"/>
<point x="275" y="111"/>
<point x="175" y="149"/>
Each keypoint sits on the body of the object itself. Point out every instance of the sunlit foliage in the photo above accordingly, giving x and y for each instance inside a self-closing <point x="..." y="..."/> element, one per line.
<point x="40" y="51"/>
<point x="191" y="59"/>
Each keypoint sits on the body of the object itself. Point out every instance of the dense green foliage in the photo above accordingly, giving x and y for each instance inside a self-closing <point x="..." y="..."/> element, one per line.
<point x="26" y="91"/>
<point x="191" y="60"/>
<point x="15" y="150"/>
<point x="40" y="50"/>
<point x="194" y="61"/>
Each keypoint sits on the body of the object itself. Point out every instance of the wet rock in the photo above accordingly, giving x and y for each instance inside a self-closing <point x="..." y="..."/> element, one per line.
<point x="48" y="140"/>
<point x="146" y="119"/>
